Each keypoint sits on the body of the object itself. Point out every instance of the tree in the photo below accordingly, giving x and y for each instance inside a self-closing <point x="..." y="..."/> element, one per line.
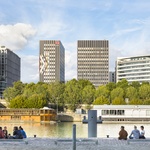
<point x="102" y="91"/>
<point x="146" y="102"/>
<point x="101" y="100"/>
<point x="110" y="86"/>
<point x="131" y="93"/>
<point x="11" y="92"/>
<point x="18" y="102"/>
<point x="88" y="94"/>
<point x="135" y="84"/>
<point x="118" y="101"/>
<point x="135" y="102"/>
<point x="117" y="93"/>
<point x="144" y="91"/>
<point x="122" y="84"/>
<point x="72" y="94"/>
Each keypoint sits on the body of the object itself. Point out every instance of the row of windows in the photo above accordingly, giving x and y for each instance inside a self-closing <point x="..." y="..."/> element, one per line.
<point x="113" y="112"/>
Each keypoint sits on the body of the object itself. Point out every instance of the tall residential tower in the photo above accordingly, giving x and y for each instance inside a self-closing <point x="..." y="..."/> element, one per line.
<point x="93" y="61"/>
<point x="9" y="68"/>
<point x="51" y="61"/>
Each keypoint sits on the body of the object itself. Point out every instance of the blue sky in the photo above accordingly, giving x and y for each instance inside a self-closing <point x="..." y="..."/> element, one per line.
<point x="126" y="24"/>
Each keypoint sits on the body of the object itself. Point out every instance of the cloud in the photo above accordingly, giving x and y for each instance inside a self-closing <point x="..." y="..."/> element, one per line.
<point x="29" y="68"/>
<point x="70" y="65"/>
<point x="16" y="36"/>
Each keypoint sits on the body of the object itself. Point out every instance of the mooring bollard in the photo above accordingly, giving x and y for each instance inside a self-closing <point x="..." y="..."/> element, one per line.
<point x="74" y="137"/>
<point x="92" y="123"/>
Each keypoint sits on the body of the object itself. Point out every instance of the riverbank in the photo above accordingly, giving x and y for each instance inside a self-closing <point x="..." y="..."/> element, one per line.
<point x="50" y="144"/>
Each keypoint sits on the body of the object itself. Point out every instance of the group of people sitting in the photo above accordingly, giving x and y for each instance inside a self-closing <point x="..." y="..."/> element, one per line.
<point x="135" y="134"/>
<point x="18" y="133"/>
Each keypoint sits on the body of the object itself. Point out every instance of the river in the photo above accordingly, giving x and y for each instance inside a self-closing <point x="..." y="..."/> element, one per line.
<point x="64" y="129"/>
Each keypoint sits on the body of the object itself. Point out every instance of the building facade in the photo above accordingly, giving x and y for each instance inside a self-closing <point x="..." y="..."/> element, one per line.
<point x="112" y="76"/>
<point x="9" y="68"/>
<point x="135" y="68"/>
<point x="51" y="61"/>
<point x="93" y="61"/>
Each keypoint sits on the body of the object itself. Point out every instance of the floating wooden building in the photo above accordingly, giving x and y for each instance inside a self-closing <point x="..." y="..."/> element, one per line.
<point x="28" y="115"/>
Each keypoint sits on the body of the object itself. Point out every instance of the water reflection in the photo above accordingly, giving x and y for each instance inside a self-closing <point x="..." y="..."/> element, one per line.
<point x="64" y="129"/>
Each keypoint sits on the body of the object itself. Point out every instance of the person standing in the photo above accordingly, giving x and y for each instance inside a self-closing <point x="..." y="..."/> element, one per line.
<point x="142" y="133"/>
<point x="123" y="134"/>
<point x="135" y="134"/>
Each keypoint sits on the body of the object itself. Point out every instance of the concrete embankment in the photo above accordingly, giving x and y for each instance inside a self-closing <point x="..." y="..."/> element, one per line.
<point x="50" y="144"/>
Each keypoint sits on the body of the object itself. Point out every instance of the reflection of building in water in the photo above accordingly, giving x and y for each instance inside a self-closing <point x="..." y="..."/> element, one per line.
<point x="117" y="113"/>
<point x="25" y="115"/>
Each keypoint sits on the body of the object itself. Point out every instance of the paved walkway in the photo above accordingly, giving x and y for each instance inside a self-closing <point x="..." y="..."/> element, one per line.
<point x="50" y="144"/>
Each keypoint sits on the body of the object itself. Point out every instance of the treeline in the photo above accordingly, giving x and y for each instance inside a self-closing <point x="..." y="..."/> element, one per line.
<point x="74" y="93"/>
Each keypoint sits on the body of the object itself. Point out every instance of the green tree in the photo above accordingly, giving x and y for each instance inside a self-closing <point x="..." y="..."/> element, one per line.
<point x="122" y="84"/>
<point x="118" y="101"/>
<point x="88" y="94"/>
<point x="110" y="86"/>
<point x="144" y="91"/>
<point x="135" y="102"/>
<point x="17" y="102"/>
<point x="131" y="93"/>
<point x="102" y="91"/>
<point x="146" y="102"/>
<point x="117" y="93"/>
<point x="101" y="100"/>
<point x="135" y="84"/>
<point x="72" y="94"/>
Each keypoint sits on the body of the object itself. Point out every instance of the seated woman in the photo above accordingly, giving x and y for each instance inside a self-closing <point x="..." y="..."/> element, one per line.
<point x="16" y="134"/>
<point x="23" y="132"/>
<point x="142" y="133"/>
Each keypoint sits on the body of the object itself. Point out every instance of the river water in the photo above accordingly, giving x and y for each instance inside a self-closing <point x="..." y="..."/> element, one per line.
<point x="64" y="129"/>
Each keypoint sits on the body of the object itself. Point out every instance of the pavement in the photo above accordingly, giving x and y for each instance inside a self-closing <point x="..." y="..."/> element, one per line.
<point x="81" y="144"/>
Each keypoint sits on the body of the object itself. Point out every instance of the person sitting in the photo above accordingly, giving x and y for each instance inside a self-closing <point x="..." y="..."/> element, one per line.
<point x="142" y="133"/>
<point x="123" y="134"/>
<point x="5" y="132"/>
<point x="1" y="133"/>
<point x="135" y="134"/>
<point x="23" y="132"/>
<point x="17" y="133"/>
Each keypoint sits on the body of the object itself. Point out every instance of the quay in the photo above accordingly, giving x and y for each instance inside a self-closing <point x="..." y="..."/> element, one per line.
<point x="49" y="144"/>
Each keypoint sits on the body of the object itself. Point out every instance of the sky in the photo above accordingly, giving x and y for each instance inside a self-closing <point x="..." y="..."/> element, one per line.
<point x="23" y="23"/>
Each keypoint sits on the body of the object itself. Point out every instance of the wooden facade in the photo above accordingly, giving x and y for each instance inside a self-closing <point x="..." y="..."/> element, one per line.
<point x="28" y="115"/>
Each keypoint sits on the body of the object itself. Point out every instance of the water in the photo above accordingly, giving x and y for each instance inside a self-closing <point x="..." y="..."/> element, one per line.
<point x="64" y="129"/>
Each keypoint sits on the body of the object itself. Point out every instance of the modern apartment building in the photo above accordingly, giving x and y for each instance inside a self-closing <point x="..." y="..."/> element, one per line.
<point x="9" y="69"/>
<point x="51" y="61"/>
<point x="93" y="61"/>
<point x="135" y="68"/>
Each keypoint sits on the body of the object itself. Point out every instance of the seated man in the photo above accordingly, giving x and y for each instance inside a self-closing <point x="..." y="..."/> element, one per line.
<point x="123" y="134"/>
<point x="135" y="134"/>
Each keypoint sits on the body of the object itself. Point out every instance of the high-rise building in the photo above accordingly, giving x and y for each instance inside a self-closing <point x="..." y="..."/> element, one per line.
<point x="136" y="68"/>
<point x="93" y="61"/>
<point x="51" y="61"/>
<point x="9" y="68"/>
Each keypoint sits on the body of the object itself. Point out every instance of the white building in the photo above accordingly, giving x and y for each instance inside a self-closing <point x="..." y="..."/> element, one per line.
<point x="123" y="113"/>
<point x="133" y="69"/>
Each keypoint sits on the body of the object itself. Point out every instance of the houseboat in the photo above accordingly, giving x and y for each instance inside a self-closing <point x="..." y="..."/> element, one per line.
<point x="28" y="115"/>
<point x="123" y="113"/>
